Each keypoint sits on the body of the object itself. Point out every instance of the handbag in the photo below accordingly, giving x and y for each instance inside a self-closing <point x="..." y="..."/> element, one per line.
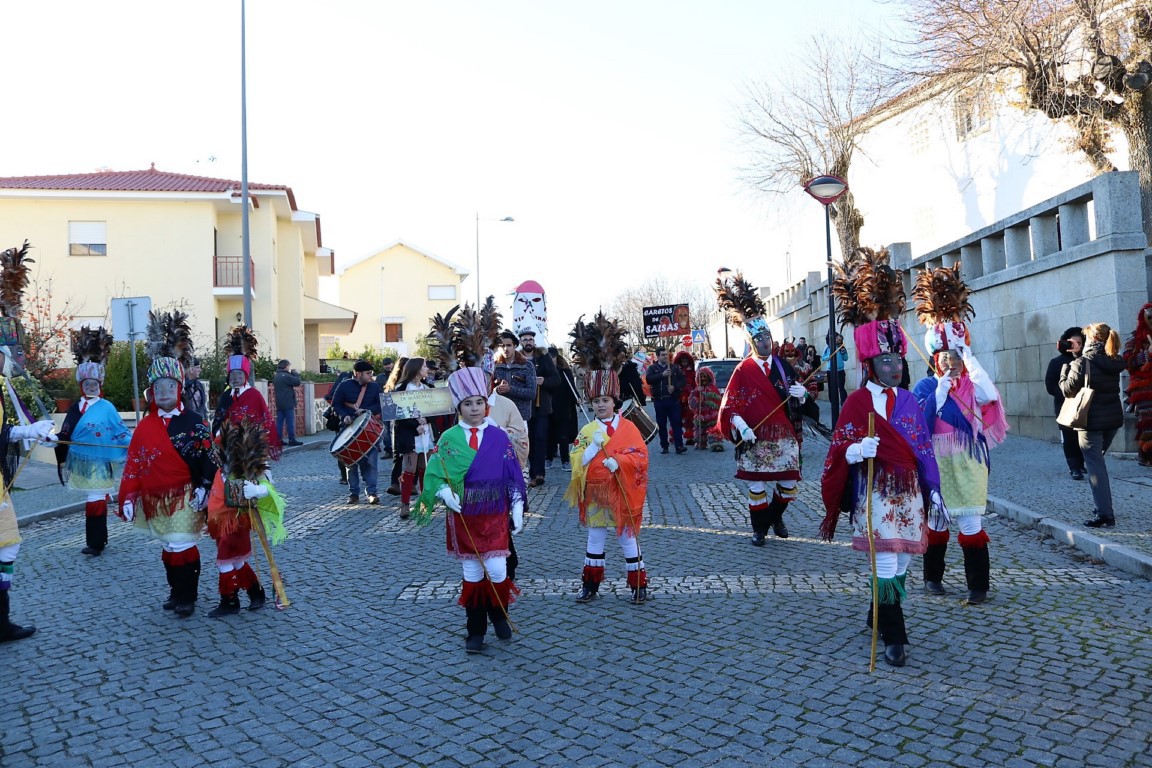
<point x="331" y="420"/>
<point x="1074" y="410"/>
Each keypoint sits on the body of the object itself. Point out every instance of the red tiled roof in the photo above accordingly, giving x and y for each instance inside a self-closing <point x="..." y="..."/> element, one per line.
<point x="150" y="180"/>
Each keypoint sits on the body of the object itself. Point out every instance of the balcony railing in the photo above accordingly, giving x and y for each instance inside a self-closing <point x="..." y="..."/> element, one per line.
<point x="228" y="272"/>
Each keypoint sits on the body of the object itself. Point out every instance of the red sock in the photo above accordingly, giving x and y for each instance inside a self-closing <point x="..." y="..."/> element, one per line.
<point x="407" y="480"/>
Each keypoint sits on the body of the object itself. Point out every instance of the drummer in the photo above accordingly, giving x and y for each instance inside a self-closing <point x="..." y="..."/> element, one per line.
<point x="354" y="396"/>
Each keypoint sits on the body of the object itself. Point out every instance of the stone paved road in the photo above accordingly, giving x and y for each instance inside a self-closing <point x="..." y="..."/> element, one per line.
<point x="743" y="657"/>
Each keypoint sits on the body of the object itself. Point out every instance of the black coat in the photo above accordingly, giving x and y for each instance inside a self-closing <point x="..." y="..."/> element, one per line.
<point x="631" y="388"/>
<point x="562" y="424"/>
<point x="1106" y="411"/>
<point x="1052" y="378"/>
<point x="545" y="369"/>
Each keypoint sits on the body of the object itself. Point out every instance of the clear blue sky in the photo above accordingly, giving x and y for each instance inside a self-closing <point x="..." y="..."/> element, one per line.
<point x="605" y="128"/>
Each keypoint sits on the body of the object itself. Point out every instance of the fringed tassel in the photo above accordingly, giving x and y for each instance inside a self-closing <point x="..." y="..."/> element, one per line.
<point x="472" y="594"/>
<point x="890" y="591"/>
<point x="505" y="592"/>
<point x="593" y="574"/>
<point x="485" y="498"/>
<point x="98" y="508"/>
<point x="246" y="578"/>
<point x="973" y="540"/>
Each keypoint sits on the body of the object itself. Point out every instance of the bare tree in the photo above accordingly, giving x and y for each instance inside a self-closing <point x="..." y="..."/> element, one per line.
<point x="628" y="306"/>
<point x="1088" y="62"/>
<point x="806" y="123"/>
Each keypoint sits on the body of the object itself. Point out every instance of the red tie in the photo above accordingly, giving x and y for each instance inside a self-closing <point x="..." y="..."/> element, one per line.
<point x="473" y="441"/>
<point x="891" y="404"/>
<point x="167" y="419"/>
<point x="83" y="406"/>
<point x="611" y="429"/>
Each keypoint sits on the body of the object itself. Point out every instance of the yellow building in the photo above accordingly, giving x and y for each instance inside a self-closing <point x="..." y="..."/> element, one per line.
<point x="177" y="239"/>
<point x="395" y="291"/>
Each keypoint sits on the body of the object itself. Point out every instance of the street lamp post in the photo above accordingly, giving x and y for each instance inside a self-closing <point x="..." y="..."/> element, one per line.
<point x="245" y="239"/>
<point x="827" y="190"/>
<point x="720" y="276"/>
<point x="506" y="218"/>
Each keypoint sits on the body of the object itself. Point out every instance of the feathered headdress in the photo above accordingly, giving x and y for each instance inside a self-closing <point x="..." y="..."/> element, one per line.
<point x="169" y="345"/>
<point x="440" y="338"/>
<point x="242" y="451"/>
<point x="943" y="308"/>
<point x="13" y="280"/>
<point x="869" y="295"/>
<point x="470" y="342"/>
<point x="741" y="304"/>
<point x="91" y="347"/>
<point x="599" y="346"/>
<point x="243" y="348"/>
<point x="490" y="320"/>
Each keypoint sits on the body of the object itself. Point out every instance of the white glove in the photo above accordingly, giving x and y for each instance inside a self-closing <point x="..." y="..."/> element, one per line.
<point x="589" y="454"/>
<point x="612" y="464"/>
<point x="40" y="431"/>
<point x="855" y="452"/>
<point x="127" y="510"/>
<point x="599" y="437"/>
<point x="449" y="497"/>
<point x="747" y="435"/>
<point x="253" y="490"/>
<point x="517" y="517"/>
<point x="938" y="517"/>
<point x="798" y="390"/>
<point x="943" y="387"/>
<point x="198" y="497"/>
<point x="868" y="447"/>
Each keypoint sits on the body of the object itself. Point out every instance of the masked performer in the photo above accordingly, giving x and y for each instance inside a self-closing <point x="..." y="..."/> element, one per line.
<point x="1138" y="357"/>
<point x="241" y="401"/>
<point x="475" y="474"/>
<point x="170" y="467"/>
<point x="687" y="364"/>
<point x="906" y="483"/>
<point x="94" y="464"/>
<point x="761" y="412"/>
<point x="963" y="410"/>
<point x="609" y="461"/>
<point x="705" y="404"/>
<point x="14" y="427"/>
<point x="242" y="488"/>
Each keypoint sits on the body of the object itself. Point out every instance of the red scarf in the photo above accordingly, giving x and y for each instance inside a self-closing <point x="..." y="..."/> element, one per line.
<point x="155" y="472"/>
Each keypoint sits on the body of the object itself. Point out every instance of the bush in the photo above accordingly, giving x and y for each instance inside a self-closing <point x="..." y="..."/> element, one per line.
<point x="27" y="390"/>
<point x="118" y="384"/>
<point x="61" y="384"/>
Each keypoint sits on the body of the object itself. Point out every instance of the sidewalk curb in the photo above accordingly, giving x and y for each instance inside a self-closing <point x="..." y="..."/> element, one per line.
<point x="67" y="509"/>
<point x="1117" y="555"/>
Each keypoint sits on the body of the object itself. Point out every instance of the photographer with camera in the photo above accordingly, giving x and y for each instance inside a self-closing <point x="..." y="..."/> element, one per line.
<point x="1069" y="347"/>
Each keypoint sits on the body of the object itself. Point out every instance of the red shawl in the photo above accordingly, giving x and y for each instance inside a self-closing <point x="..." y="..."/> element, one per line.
<point x="156" y="478"/>
<point x="751" y="395"/>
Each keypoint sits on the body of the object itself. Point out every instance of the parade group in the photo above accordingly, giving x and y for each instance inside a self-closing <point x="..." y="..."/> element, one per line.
<point x="907" y="461"/>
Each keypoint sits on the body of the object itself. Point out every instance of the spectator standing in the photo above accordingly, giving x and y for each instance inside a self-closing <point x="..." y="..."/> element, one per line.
<point x="411" y="438"/>
<point x="284" y="383"/>
<point x="631" y="385"/>
<point x="667" y="382"/>
<point x="841" y="369"/>
<point x="340" y="379"/>
<point x="387" y="365"/>
<point x="355" y="396"/>
<point x="1068" y="348"/>
<point x="397" y="458"/>
<point x="195" y="394"/>
<point x="1098" y="367"/>
<point x="547" y="383"/>
<point x="562" y="424"/>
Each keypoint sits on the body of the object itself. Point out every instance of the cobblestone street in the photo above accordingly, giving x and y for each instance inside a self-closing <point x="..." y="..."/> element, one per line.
<point x="743" y="656"/>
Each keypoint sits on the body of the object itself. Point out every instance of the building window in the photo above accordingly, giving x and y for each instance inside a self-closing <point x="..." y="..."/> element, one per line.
<point x="973" y="113"/>
<point x="393" y="333"/>
<point x="441" y="293"/>
<point x="87" y="238"/>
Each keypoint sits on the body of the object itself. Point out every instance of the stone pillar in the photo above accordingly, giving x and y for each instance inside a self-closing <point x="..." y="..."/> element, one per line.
<point x="1073" y="225"/>
<point x="972" y="260"/>
<point x="1045" y="237"/>
<point x="992" y="254"/>
<point x="1017" y="246"/>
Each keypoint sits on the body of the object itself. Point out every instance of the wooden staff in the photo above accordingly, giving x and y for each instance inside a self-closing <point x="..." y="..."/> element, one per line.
<point x="785" y="400"/>
<point x="872" y="548"/>
<point x="282" y="600"/>
<point x="472" y="541"/>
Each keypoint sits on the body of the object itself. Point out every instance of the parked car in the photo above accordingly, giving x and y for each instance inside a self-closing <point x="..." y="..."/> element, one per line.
<point x="723" y="368"/>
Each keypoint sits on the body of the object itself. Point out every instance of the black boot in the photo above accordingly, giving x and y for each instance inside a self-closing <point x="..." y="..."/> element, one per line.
<point x="229" y="606"/>
<point x="588" y="592"/>
<point x="170" y="572"/>
<point x="477" y="625"/>
<point x="95" y="534"/>
<point x="977" y="573"/>
<point x="934" y="569"/>
<point x="8" y="630"/>
<point x="513" y="559"/>
<point x="776" y="515"/>
<point x="893" y="633"/>
<point x="256" y="598"/>
<point x="187" y="588"/>
<point x="761" y="520"/>
<point x="500" y="623"/>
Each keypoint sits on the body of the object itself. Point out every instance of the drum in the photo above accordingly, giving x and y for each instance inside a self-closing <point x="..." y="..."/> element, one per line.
<point x="636" y="414"/>
<point x="355" y="440"/>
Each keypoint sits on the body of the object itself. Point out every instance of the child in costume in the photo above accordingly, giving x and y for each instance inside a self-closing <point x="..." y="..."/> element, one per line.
<point x="687" y="363"/>
<point x="705" y="404"/>
<point x="241" y="488"/>
<point x="761" y="412"/>
<point x="964" y="413"/>
<point x="94" y="464"/>
<point x="905" y="482"/>
<point x="1138" y="358"/>
<point x="474" y="472"/>
<point x="170" y="468"/>
<point x="240" y="400"/>
<point x="610" y="462"/>
<point x="12" y="283"/>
